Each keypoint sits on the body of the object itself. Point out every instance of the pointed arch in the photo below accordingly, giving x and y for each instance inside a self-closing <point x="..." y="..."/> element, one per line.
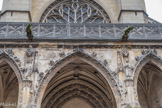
<point x="10" y="78"/>
<point x="5" y="57"/>
<point x="148" y="67"/>
<point x="106" y="73"/>
<point x="148" y="58"/>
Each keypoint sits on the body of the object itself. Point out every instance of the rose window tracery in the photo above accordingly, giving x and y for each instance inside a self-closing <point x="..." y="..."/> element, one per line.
<point x="75" y="11"/>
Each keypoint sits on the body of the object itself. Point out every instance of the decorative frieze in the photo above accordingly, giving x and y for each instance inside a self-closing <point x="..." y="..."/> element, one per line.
<point x="109" y="32"/>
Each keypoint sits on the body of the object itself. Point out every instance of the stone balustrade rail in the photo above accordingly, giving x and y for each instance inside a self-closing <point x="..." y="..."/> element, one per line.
<point x="109" y="32"/>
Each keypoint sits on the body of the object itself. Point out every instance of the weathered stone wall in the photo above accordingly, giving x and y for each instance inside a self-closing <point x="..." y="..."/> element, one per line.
<point x="119" y="11"/>
<point x="16" y="11"/>
<point x="37" y="63"/>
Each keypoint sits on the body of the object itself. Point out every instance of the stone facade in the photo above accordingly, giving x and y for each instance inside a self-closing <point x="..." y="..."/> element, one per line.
<point x="119" y="11"/>
<point x="86" y="64"/>
<point x="40" y="66"/>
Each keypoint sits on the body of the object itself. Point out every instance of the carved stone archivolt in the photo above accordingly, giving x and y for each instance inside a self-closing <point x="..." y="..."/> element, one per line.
<point x="77" y="80"/>
<point x="75" y="55"/>
<point x="148" y="88"/>
<point x="8" y="54"/>
<point x="75" y="11"/>
<point x="10" y="76"/>
<point x="146" y="54"/>
<point x="147" y="68"/>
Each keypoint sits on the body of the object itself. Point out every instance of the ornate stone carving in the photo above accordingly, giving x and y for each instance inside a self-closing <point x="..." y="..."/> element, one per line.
<point x="105" y="62"/>
<point x="128" y="70"/>
<point x="119" y="62"/>
<point x="62" y="54"/>
<point x="146" y="52"/>
<point x="41" y="75"/>
<point x="74" y="11"/>
<point x="114" y="74"/>
<point x="77" y="52"/>
<point x="27" y="83"/>
<point x="125" y="52"/>
<point x="52" y="62"/>
<point x="30" y="63"/>
<point x="94" y="54"/>
<point x="129" y="82"/>
<point x="78" y="49"/>
<point x="10" y="55"/>
<point x="123" y="96"/>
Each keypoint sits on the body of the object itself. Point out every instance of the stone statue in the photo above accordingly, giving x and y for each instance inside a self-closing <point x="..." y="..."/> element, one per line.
<point x="29" y="70"/>
<point x="29" y="62"/>
<point x="128" y="70"/>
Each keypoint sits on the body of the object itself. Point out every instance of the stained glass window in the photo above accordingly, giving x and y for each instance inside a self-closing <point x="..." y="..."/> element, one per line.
<point x="74" y="11"/>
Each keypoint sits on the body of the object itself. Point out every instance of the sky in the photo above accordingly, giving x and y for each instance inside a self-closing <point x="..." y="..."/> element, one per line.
<point x="153" y="8"/>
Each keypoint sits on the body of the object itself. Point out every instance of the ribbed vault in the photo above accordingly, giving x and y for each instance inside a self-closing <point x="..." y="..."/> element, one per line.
<point x="8" y="86"/>
<point x="150" y="86"/>
<point x="78" y="83"/>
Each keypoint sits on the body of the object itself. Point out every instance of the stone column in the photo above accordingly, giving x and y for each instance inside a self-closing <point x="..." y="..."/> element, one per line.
<point x="26" y="94"/>
<point x="130" y="90"/>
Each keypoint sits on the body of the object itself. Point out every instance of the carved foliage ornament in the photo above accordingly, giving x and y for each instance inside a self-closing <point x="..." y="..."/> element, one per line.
<point x="146" y="52"/>
<point x="10" y="53"/>
<point x="74" y="11"/>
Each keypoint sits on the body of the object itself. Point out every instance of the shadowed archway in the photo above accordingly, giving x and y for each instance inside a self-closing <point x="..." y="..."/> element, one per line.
<point x="148" y="80"/>
<point x="10" y="79"/>
<point x="79" y="77"/>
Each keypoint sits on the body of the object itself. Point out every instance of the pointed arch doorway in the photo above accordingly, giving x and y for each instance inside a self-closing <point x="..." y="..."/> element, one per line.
<point x="78" y="84"/>
<point x="148" y="80"/>
<point x="150" y="86"/>
<point x="9" y="84"/>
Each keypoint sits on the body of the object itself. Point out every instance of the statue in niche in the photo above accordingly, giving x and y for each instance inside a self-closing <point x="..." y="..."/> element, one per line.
<point x="30" y="53"/>
<point x="128" y="70"/>
<point x="29" y="70"/>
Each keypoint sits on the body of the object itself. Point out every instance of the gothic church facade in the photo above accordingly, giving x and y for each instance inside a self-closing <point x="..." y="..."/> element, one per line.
<point x="79" y="54"/>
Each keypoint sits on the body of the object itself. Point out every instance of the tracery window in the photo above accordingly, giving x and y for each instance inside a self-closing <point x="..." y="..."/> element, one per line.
<point x="75" y="11"/>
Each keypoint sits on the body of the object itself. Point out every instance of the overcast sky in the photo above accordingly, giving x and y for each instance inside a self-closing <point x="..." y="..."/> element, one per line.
<point x="154" y="9"/>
